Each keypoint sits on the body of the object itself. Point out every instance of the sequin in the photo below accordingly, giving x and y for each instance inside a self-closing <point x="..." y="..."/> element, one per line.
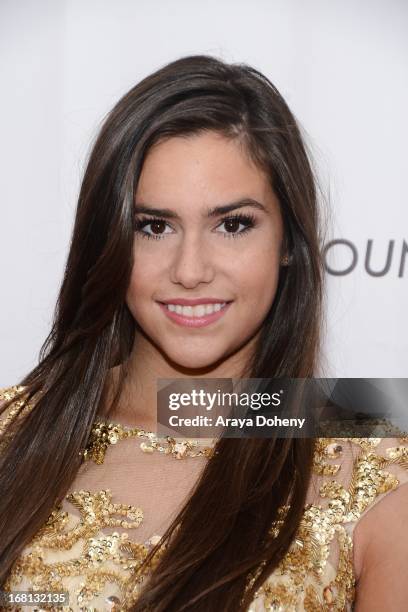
<point x="101" y="571"/>
<point x="104" y="434"/>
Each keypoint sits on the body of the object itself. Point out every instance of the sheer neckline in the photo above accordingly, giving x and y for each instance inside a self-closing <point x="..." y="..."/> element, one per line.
<point x="105" y="433"/>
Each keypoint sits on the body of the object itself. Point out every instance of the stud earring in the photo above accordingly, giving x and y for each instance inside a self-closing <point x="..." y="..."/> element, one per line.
<point x="285" y="260"/>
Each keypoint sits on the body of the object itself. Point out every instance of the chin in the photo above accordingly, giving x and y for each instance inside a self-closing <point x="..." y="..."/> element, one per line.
<point x="193" y="363"/>
<point x="192" y="360"/>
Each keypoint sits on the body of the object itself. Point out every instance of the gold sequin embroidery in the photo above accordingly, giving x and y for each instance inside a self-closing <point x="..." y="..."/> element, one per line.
<point x="100" y="559"/>
<point x="304" y="579"/>
<point x="298" y="581"/>
<point x="104" y="434"/>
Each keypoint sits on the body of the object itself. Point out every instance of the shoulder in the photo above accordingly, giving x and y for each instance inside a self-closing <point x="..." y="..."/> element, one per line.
<point x="382" y="465"/>
<point x="351" y="478"/>
<point x="358" y="478"/>
<point x="380" y="536"/>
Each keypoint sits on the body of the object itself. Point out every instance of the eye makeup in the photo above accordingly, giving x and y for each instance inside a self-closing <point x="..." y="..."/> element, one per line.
<point x="245" y="219"/>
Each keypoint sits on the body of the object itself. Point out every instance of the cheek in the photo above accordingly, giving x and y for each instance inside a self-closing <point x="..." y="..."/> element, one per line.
<point x="260" y="295"/>
<point x="257" y="277"/>
<point x="142" y="285"/>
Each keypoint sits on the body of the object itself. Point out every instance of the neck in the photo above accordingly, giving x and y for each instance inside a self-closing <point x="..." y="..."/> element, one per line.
<point x="138" y="402"/>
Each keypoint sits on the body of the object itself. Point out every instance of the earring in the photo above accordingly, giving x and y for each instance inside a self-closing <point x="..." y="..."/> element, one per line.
<point x="285" y="260"/>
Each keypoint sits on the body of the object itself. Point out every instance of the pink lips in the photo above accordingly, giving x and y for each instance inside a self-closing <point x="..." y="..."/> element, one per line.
<point x="194" y="321"/>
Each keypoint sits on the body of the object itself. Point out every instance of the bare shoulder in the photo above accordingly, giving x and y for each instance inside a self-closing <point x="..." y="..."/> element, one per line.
<point x="381" y="539"/>
<point x="376" y="532"/>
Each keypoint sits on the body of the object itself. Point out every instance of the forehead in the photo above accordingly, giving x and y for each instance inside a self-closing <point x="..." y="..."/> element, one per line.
<point x="201" y="169"/>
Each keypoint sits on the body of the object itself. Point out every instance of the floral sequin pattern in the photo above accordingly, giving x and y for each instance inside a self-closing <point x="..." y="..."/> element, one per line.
<point x="103" y="571"/>
<point x="105" y="434"/>
<point x="304" y="579"/>
<point x="71" y="553"/>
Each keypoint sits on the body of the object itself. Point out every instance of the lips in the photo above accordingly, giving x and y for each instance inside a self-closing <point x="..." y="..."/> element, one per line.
<point x="194" y="301"/>
<point x="191" y="314"/>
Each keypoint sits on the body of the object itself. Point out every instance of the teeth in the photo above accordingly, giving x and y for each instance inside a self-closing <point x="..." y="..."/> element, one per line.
<point x="195" y="311"/>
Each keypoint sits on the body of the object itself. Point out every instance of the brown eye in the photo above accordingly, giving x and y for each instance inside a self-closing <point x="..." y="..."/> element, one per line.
<point x="151" y="228"/>
<point x="232" y="225"/>
<point x="157" y="227"/>
<point x="237" y="225"/>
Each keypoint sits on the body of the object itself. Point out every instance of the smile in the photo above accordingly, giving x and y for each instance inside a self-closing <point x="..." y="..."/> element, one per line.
<point x="198" y="315"/>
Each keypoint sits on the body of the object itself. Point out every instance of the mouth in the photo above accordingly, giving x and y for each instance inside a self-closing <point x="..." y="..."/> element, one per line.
<point x="199" y="315"/>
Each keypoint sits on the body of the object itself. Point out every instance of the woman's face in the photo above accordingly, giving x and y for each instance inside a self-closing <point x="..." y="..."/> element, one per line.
<point x="188" y="249"/>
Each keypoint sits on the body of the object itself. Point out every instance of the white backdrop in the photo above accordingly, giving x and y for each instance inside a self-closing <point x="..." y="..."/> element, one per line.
<point x="342" y="67"/>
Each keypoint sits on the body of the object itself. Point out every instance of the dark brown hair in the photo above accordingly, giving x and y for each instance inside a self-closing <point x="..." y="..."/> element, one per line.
<point x="244" y="484"/>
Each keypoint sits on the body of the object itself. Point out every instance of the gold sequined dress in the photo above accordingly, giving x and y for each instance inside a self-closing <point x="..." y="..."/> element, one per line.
<point x="93" y="543"/>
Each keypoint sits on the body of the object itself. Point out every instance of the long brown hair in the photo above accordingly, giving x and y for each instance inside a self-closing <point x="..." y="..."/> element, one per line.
<point x="209" y="560"/>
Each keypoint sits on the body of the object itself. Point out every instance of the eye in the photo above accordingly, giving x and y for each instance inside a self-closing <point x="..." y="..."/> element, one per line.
<point x="158" y="227"/>
<point x="233" y="223"/>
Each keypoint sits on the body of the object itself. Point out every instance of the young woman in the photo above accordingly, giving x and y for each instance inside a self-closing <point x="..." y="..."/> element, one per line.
<point x="196" y="252"/>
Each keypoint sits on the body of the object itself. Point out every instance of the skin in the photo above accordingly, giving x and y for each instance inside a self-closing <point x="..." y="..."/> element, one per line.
<point x="197" y="257"/>
<point x="193" y="259"/>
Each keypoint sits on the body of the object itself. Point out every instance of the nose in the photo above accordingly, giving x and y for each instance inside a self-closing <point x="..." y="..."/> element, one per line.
<point x="192" y="263"/>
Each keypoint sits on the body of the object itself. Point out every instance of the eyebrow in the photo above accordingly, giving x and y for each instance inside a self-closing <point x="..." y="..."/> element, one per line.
<point x="210" y="212"/>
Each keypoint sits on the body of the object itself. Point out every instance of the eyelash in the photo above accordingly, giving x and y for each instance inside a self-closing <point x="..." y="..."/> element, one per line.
<point x="247" y="219"/>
